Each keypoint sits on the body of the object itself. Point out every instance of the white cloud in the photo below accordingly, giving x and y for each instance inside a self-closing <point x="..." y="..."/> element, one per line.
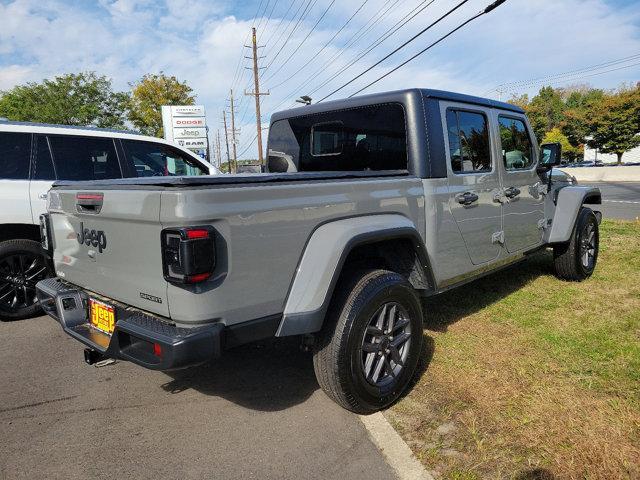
<point x="201" y="42"/>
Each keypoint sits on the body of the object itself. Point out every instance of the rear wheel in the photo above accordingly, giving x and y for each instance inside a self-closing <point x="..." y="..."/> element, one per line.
<point x="368" y="349"/>
<point x="22" y="265"/>
<point x="576" y="260"/>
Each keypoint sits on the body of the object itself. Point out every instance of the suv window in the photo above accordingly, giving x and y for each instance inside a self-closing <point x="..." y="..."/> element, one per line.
<point x="158" y="160"/>
<point x="84" y="158"/>
<point x="468" y="141"/>
<point x="358" y="139"/>
<point x="517" y="149"/>
<point x="42" y="160"/>
<point x="15" y="153"/>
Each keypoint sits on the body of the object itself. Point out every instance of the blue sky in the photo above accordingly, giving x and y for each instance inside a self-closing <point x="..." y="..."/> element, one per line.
<point x="201" y="42"/>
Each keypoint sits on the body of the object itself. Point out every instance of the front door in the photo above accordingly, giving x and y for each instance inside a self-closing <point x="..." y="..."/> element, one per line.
<point x="523" y="206"/>
<point x="474" y="180"/>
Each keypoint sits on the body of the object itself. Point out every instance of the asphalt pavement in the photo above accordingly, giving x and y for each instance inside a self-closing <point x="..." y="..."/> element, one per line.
<point x="256" y="413"/>
<point x="620" y="200"/>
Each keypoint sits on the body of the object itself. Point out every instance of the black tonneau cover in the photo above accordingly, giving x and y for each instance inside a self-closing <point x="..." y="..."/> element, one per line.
<point x="214" y="180"/>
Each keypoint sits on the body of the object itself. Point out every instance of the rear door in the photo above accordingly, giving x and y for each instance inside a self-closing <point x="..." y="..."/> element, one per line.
<point x="474" y="179"/>
<point x="42" y="176"/>
<point x="523" y="209"/>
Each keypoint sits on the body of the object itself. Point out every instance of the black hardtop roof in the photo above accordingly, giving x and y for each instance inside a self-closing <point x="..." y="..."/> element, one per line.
<point x="394" y="96"/>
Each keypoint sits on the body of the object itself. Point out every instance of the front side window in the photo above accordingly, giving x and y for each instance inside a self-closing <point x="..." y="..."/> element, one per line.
<point x="84" y="158"/>
<point x="517" y="149"/>
<point x="15" y="153"/>
<point x="468" y="141"/>
<point x="371" y="138"/>
<point x="159" y="160"/>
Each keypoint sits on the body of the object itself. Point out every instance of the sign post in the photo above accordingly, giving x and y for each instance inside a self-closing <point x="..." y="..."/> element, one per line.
<point x="186" y="125"/>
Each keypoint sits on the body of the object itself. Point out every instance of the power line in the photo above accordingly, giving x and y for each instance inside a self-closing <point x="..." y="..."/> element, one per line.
<point x="302" y="42"/>
<point x="488" y="9"/>
<point x="304" y="14"/>
<point x="248" y="146"/>
<point x="395" y="28"/>
<point x="572" y="73"/>
<point x="580" y="76"/>
<point x="421" y="32"/>
<point x="277" y="29"/>
<point x="377" y="16"/>
<point x="314" y="56"/>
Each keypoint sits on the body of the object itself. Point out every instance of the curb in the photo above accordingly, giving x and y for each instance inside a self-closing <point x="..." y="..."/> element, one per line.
<point x="396" y="452"/>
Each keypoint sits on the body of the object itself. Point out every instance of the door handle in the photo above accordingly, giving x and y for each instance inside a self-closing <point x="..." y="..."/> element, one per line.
<point x="466" y="198"/>
<point x="511" y="192"/>
<point x="42" y="196"/>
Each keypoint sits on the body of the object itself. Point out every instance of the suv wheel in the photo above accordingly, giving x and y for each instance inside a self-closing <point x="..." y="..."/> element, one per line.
<point x="367" y="351"/>
<point x="22" y="265"/>
<point x="576" y="259"/>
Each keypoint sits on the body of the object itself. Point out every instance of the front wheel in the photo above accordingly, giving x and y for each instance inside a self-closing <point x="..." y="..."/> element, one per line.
<point x="367" y="351"/>
<point x="22" y="265"/>
<point x="576" y="260"/>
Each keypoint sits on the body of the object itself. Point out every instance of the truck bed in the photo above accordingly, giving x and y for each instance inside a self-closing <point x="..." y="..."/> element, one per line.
<point x="215" y="180"/>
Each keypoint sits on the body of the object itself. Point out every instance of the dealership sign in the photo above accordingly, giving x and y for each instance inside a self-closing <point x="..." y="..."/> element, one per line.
<point x="186" y="125"/>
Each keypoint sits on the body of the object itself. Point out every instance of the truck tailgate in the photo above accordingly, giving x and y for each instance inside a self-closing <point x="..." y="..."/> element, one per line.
<point x="120" y="255"/>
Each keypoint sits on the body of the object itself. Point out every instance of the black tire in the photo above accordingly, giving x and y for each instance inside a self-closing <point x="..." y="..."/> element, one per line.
<point x="22" y="265"/>
<point x="576" y="259"/>
<point x="343" y="349"/>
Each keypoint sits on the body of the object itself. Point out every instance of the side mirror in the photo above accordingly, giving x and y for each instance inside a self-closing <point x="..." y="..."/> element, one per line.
<point x="550" y="156"/>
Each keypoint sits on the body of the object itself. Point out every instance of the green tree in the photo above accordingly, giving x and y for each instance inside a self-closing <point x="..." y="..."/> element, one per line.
<point x="580" y="104"/>
<point x="149" y="94"/>
<point x="70" y="99"/>
<point x="555" y="135"/>
<point x="545" y="111"/>
<point x="615" y="125"/>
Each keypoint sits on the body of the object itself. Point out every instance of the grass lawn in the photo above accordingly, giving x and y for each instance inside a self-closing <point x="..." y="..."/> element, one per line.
<point x="526" y="376"/>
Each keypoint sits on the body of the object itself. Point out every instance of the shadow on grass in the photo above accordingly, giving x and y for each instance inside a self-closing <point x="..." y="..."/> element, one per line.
<point x="447" y="308"/>
<point x="535" y="474"/>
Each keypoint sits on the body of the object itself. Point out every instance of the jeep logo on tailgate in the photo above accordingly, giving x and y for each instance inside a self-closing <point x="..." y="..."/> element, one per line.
<point x="95" y="238"/>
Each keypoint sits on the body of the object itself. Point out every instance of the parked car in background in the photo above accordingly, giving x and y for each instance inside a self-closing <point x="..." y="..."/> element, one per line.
<point x="32" y="157"/>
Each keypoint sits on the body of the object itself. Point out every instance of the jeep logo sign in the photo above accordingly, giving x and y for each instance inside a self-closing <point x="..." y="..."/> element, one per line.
<point x="92" y="238"/>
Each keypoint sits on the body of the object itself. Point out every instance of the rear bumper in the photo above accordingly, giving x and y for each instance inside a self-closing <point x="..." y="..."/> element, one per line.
<point x="138" y="337"/>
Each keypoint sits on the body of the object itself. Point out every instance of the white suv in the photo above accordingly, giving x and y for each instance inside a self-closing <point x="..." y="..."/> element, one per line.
<point x="32" y="157"/>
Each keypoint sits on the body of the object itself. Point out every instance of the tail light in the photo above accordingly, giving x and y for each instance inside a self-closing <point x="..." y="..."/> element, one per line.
<point x="45" y="233"/>
<point x="188" y="254"/>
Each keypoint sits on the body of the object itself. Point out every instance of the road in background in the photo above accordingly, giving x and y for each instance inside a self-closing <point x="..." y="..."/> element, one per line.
<point x="257" y="413"/>
<point x="620" y="200"/>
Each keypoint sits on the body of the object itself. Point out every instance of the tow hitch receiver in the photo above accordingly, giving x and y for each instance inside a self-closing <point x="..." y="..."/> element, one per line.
<point x="92" y="356"/>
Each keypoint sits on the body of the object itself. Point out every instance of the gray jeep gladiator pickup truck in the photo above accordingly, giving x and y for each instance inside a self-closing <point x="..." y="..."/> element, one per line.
<point x="368" y="205"/>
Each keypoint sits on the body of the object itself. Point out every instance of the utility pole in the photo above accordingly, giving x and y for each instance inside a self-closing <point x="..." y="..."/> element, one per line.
<point x="218" y="151"/>
<point x="226" y="139"/>
<point x="233" y="134"/>
<point x="256" y="93"/>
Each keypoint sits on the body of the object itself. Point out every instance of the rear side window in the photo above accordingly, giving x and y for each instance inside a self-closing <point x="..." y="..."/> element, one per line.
<point x="158" y="160"/>
<point x="468" y="141"/>
<point x="517" y="149"/>
<point x="15" y="153"/>
<point x="370" y="138"/>
<point x="42" y="160"/>
<point x="84" y="158"/>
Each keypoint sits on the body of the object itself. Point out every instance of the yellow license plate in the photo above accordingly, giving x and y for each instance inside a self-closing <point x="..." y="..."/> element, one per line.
<point x="102" y="316"/>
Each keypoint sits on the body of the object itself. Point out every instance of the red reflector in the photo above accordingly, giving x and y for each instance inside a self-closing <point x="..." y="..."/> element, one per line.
<point x="200" y="277"/>
<point x="89" y="196"/>
<point x="157" y="350"/>
<point x="192" y="234"/>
